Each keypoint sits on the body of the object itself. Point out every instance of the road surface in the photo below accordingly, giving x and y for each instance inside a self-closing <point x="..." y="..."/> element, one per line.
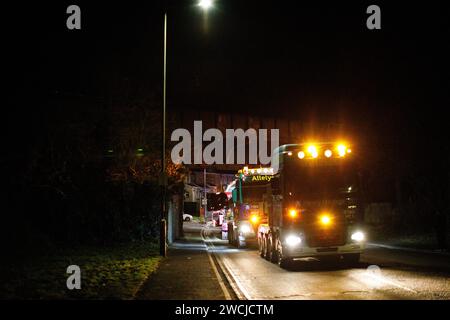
<point x="382" y="274"/>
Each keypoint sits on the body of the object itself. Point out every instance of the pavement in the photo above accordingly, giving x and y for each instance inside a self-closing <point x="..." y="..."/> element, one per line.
<point x="188" y="272"/>
<point x="203" y="266"/>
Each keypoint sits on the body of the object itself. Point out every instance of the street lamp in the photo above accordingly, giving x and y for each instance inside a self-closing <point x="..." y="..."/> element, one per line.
<point x="205" y="5"/>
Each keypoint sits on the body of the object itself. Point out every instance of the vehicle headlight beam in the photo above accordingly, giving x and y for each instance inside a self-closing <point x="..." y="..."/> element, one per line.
<point x="293" y="240"/>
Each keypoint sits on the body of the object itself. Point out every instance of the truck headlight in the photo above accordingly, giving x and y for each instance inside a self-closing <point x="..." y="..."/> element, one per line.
<point x="245" y="228"/>
<point x="293" y="240"/>
<point x="358" y="236"/>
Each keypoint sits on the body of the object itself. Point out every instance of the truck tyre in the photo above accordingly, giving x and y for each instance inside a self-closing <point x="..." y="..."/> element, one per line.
<point x="235" y="238"/>
<point x="261" y="245"/>
<point x="264" y="246"/>
<point x="352" y="259"/>
<point x="230" y="233"/>
<point x="283" y="262"/>
<point x="239" y="244"/>
<point x="232" y="239"/>
<point x="274" y="253"/>
<point x="268" y="248"/>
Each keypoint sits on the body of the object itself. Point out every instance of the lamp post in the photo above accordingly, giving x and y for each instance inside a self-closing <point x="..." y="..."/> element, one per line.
<point x="163" y="176"/>
<point x="205" y="5"/>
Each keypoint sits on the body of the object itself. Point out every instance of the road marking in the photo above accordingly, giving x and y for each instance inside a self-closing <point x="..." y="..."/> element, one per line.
<point x="219" y="278"/>
<point x="241" y="291"/>
<point x="233" y="280"/>
<point x="236" y="280"/>
<point x="216" y="272"/>
<point x="232" y="283"/>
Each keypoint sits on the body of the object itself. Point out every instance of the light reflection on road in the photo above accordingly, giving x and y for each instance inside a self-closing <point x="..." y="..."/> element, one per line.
<point x="374" y="278"/>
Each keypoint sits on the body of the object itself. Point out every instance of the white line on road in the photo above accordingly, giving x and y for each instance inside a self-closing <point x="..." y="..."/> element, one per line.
<point x="227" y="270"/>
<point x="236" y="279"/>
<point x="230" y="278"/>
<point x="240" y="289"/>
<point x="216" y="272"/>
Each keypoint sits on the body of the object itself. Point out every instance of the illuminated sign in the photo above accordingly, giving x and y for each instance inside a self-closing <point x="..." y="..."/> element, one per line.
<point x="258" y="178"/>
<point x="257" y="171"/>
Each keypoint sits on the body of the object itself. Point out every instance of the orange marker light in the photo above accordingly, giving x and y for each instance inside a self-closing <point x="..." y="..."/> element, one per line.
<point x="325" y="219"/>
<point x="293" y="213"/>
<point x="342" y="149"/>
<point x="313" y="151"/>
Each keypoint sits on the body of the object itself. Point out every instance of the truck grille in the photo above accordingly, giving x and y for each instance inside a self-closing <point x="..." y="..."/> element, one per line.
<point x="326" y="238"/>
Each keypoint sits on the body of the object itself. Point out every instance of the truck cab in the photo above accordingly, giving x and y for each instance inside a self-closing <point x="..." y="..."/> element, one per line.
<point x="314" y="205"/>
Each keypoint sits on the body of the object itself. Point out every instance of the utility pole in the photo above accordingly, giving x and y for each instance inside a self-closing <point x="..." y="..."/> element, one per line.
<point x="205" y="201"/>
<point x="163" y="178"/>
<point x="205" y="5"/>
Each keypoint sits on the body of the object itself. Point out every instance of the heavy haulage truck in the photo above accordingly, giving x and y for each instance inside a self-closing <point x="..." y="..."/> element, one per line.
<point x="249" y="190"/>
<point x="311" y="207"/>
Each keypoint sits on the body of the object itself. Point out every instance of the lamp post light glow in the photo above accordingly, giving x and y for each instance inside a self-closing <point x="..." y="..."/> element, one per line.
<point x="205" y="4"/>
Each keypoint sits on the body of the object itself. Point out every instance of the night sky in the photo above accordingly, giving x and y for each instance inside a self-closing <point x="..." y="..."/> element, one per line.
<point x="310" y="61"/>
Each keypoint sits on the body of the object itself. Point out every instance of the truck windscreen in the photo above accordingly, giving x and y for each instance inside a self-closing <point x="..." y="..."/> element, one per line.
<point x="253" y="193"/>
<point x="314" y="182"/>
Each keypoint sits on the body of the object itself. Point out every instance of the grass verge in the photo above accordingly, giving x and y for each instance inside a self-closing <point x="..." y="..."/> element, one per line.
<point x="106" y="273"/>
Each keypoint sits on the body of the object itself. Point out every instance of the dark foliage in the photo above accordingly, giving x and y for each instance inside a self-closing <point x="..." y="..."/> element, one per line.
<point x="88" y="176"/>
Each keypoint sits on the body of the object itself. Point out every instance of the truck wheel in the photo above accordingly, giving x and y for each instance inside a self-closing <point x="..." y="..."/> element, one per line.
<point x="230" y="234"/>
<point x="268" y="248"/>
<point x="235" y="238"/>
<point x="264" y="247"/>
<point x="261" y="246"/>
<point x="352" y="259"/>
<point x="274" y="254"/>
<point x="239" y="244"/>
<point x="283" y="262"/>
